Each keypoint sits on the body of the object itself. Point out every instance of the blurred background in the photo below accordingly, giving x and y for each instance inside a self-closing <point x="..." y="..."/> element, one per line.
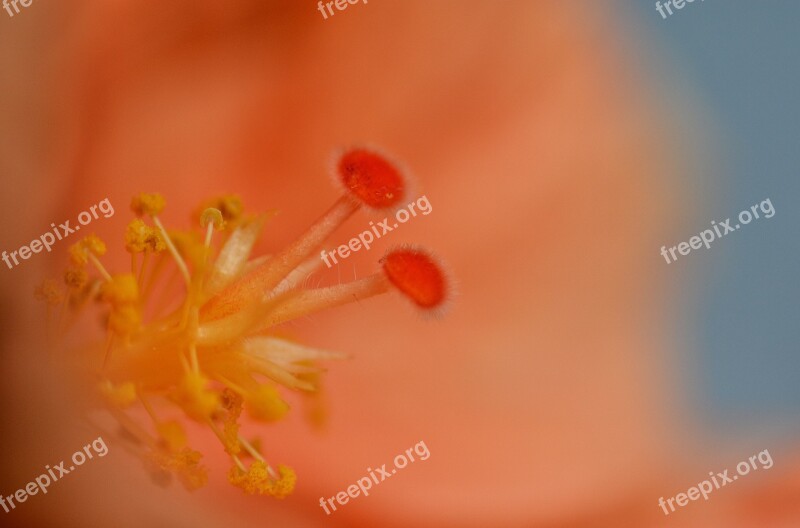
<point x="738" y="60"/>
<point x="577" y="377"/>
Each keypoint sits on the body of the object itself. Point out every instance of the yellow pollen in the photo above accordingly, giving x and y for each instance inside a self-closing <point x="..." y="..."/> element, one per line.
<point x="229" y="206"/>
<point x="122" y="289"/>
<point x="122" y="395"/>
<point x="75" y="278"/>
<point x="80" y="251"/>
<point x="124" y="320"/>
<point x="232" y="403"/>
<point x="212" y="216"/>
<point x="185" y="463"/>
<point x="265" y="404"/>
<point x="195" y="398"/>
<point x="148" y="204"/>
<point x="258" y="480"/>
<point x="49" y="292"/>
<point x="172" y="435"/>
<point x="141" y="238"/>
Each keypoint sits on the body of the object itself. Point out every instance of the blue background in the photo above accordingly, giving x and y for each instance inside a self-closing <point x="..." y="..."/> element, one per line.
<point x="740" y="59"/>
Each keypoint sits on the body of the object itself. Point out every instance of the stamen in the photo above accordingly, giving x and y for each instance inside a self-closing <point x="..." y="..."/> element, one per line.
<point x="141" y="270"/>
<point x="49" y="292"/>
<point x="151" y="204"/>
<point x="174" y="252"/>
<point x="141" y="238"/>
<point x="277" y="373"/>
<point x="75" y="278"/>
<point x="171" y="434"/>
<point x="233" y="256"/>
<point x="212" y="220"/>
<point x="107" y="355"/>
<point x="193" y="358"/>
<point x="229" y="206"/>
<point x="121" y="395"/>
<point x="239" y="463"/>
<point x="132" y="427"/>
<point x="149" y="409"/>
<point x="97" y="264"/>
<point x="253" y="452"/>
<point x="216" y="431"/>
<point x="87" y="250"/>
<point x="265" y="404"/>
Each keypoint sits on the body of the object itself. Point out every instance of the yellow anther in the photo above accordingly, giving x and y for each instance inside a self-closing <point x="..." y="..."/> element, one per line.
<point x="230" y="206"/>
<point x="77" y="254"/>
<point x="193" y="396"/>
<point x="154" y="242"/>
<point x="49" y="292"/>
<point x="80" y="251"/>
<point x="121" y="290"/>
<point x="140" y="237"/>
<point x="121" y="395"/>
<point x="232" y="403"/>
<point x="94" y="245"/>
<point x="75" y="278"/>
<point x="136" y="236"/>
<point x="185" y="463"/>
<point x="189" y="246"/>
<point x="125" y="319"/>
<point x="212" y="216"/>
<point x="79" y="296"/>
<point x="284" y="485"/>
<point x="257" y="480"/>
<point x="149" y="204"/>
<point x="265" y="404"/>
<point x="172" y="435"/>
